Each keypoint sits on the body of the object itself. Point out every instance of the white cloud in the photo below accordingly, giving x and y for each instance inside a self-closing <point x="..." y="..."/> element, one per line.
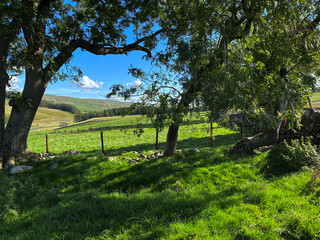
<point x="15" y="84"/>
<point x="135" y="84"/>
<point x="86" y="83"/>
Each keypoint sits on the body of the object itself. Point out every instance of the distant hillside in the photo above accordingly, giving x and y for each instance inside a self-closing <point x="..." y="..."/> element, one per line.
<point x="45" y="117"/>
<point x="87" y="105"/>
<point x="315" y="99"/>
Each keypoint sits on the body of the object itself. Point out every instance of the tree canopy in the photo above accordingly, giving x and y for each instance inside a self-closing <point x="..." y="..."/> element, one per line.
<point x="257" y="56"/>
<point x="40" y="37"/>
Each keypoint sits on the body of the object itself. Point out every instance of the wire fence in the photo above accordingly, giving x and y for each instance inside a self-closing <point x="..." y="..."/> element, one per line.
<point x="104" y="139"/>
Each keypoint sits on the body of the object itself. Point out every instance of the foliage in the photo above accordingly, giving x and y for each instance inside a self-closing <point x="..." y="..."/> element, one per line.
<point x="47" y="33"/>
<point x="271" y="71"/>
<point x="290" y="157"/>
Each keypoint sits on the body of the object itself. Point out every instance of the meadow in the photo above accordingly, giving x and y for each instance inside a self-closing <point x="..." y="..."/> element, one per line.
<point x="205" y="194"/>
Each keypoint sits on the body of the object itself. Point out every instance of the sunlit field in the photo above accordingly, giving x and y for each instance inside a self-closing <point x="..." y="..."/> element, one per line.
<point x="199" y="193"/>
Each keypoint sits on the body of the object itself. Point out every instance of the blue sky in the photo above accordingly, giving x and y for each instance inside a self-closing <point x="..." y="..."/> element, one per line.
<point x="100" y="72"/>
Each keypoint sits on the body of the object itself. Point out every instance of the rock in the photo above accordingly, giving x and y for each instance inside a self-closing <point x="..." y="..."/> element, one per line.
<point x="157" y="154"/>
<point x="126" y="158"/>
<point x="143" y="156"/>
<point x="264" y="148"/>
<point x="53" y="166"/>
<point x="20" y="168"/>
<point x="95" y="158"/>
<point x="111" y="159"/>
<point x="71" y="152"/>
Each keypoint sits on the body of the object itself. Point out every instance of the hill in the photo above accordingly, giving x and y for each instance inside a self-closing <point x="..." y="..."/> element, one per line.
<point x="46" y="117"/>
<point x="87" y="105"/>
<point x="316" y="99"/>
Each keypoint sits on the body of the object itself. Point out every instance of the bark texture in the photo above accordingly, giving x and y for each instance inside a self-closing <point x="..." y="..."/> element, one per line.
<point x="172" y="139"/>
<point x="310" y="128"/>
<point x="23" y="111"/>
<point x="247" y="145"/>
<point x="4" y="78"/>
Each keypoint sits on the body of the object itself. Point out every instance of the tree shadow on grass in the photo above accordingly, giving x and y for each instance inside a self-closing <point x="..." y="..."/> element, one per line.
<point x="91" y="214"/>
<point x="87" y="197"/>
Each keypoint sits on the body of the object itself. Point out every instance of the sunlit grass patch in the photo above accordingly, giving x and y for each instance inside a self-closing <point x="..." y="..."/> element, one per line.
<point x="199" y="193"/>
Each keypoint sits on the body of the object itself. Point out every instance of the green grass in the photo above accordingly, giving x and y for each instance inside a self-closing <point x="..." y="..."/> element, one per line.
<point x="193" y="195"/>
<point x="119" y="136"/>
<point x="315" y="98"/>
<point x="87" y="105"/>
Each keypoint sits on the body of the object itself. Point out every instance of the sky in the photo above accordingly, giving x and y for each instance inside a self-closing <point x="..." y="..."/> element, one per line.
<point x="99" y="73"/>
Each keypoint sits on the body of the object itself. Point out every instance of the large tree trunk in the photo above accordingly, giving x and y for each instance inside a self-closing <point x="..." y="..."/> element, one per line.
<point x="267" y="138"/>
<point x="172" y="139"/>
<point x="23" y="111"/>
<point x="4" y="45"/>
<point x="2" y="110"/>
<point x="247" y="145"/>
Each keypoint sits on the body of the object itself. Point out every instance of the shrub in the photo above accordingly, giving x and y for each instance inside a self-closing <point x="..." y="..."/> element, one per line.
<point x="291" y="157"/>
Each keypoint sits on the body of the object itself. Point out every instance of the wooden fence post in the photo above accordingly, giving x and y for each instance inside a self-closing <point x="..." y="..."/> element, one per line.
<point x="211" y="135"/>
<point x="47" y="143"/>
<point x="241" y="130"/>
<point x="157" y="138"/>
<point x="102" y="145"/>
<point x="310" y="103"/>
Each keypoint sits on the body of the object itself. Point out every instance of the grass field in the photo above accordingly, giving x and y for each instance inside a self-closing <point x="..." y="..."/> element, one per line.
<point x="315" y="98"/>
<point x="193" y="195"/>
<point x="87" y="105"/>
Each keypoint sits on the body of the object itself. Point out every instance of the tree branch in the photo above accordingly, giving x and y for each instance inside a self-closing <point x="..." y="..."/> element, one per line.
<point x="97" y="49"/>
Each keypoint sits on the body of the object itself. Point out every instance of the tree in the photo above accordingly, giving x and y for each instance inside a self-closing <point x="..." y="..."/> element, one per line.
<point x="8" y="34"/>
<point x="251" y="55"/>
<point x="197" y="45"/>
<point x="271" y="72"/>
<point x="209" y="27"/>
<point x="47" y="33"/>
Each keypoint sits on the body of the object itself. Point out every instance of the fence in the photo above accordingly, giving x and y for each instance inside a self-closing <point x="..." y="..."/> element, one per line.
<point x="207" y="135"/>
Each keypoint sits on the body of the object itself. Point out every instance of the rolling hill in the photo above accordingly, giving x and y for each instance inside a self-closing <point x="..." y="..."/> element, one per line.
<point x="315" y="98"/>
<point x="87" y="105"/>
<point x="46" y="117"/>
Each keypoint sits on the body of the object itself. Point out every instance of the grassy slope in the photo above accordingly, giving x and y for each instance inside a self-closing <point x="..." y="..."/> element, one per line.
<point x="316" y="99"/>
<point x="86" y="105"/>
<point x="193" y="195"/>
<point x="46" y="117"/>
